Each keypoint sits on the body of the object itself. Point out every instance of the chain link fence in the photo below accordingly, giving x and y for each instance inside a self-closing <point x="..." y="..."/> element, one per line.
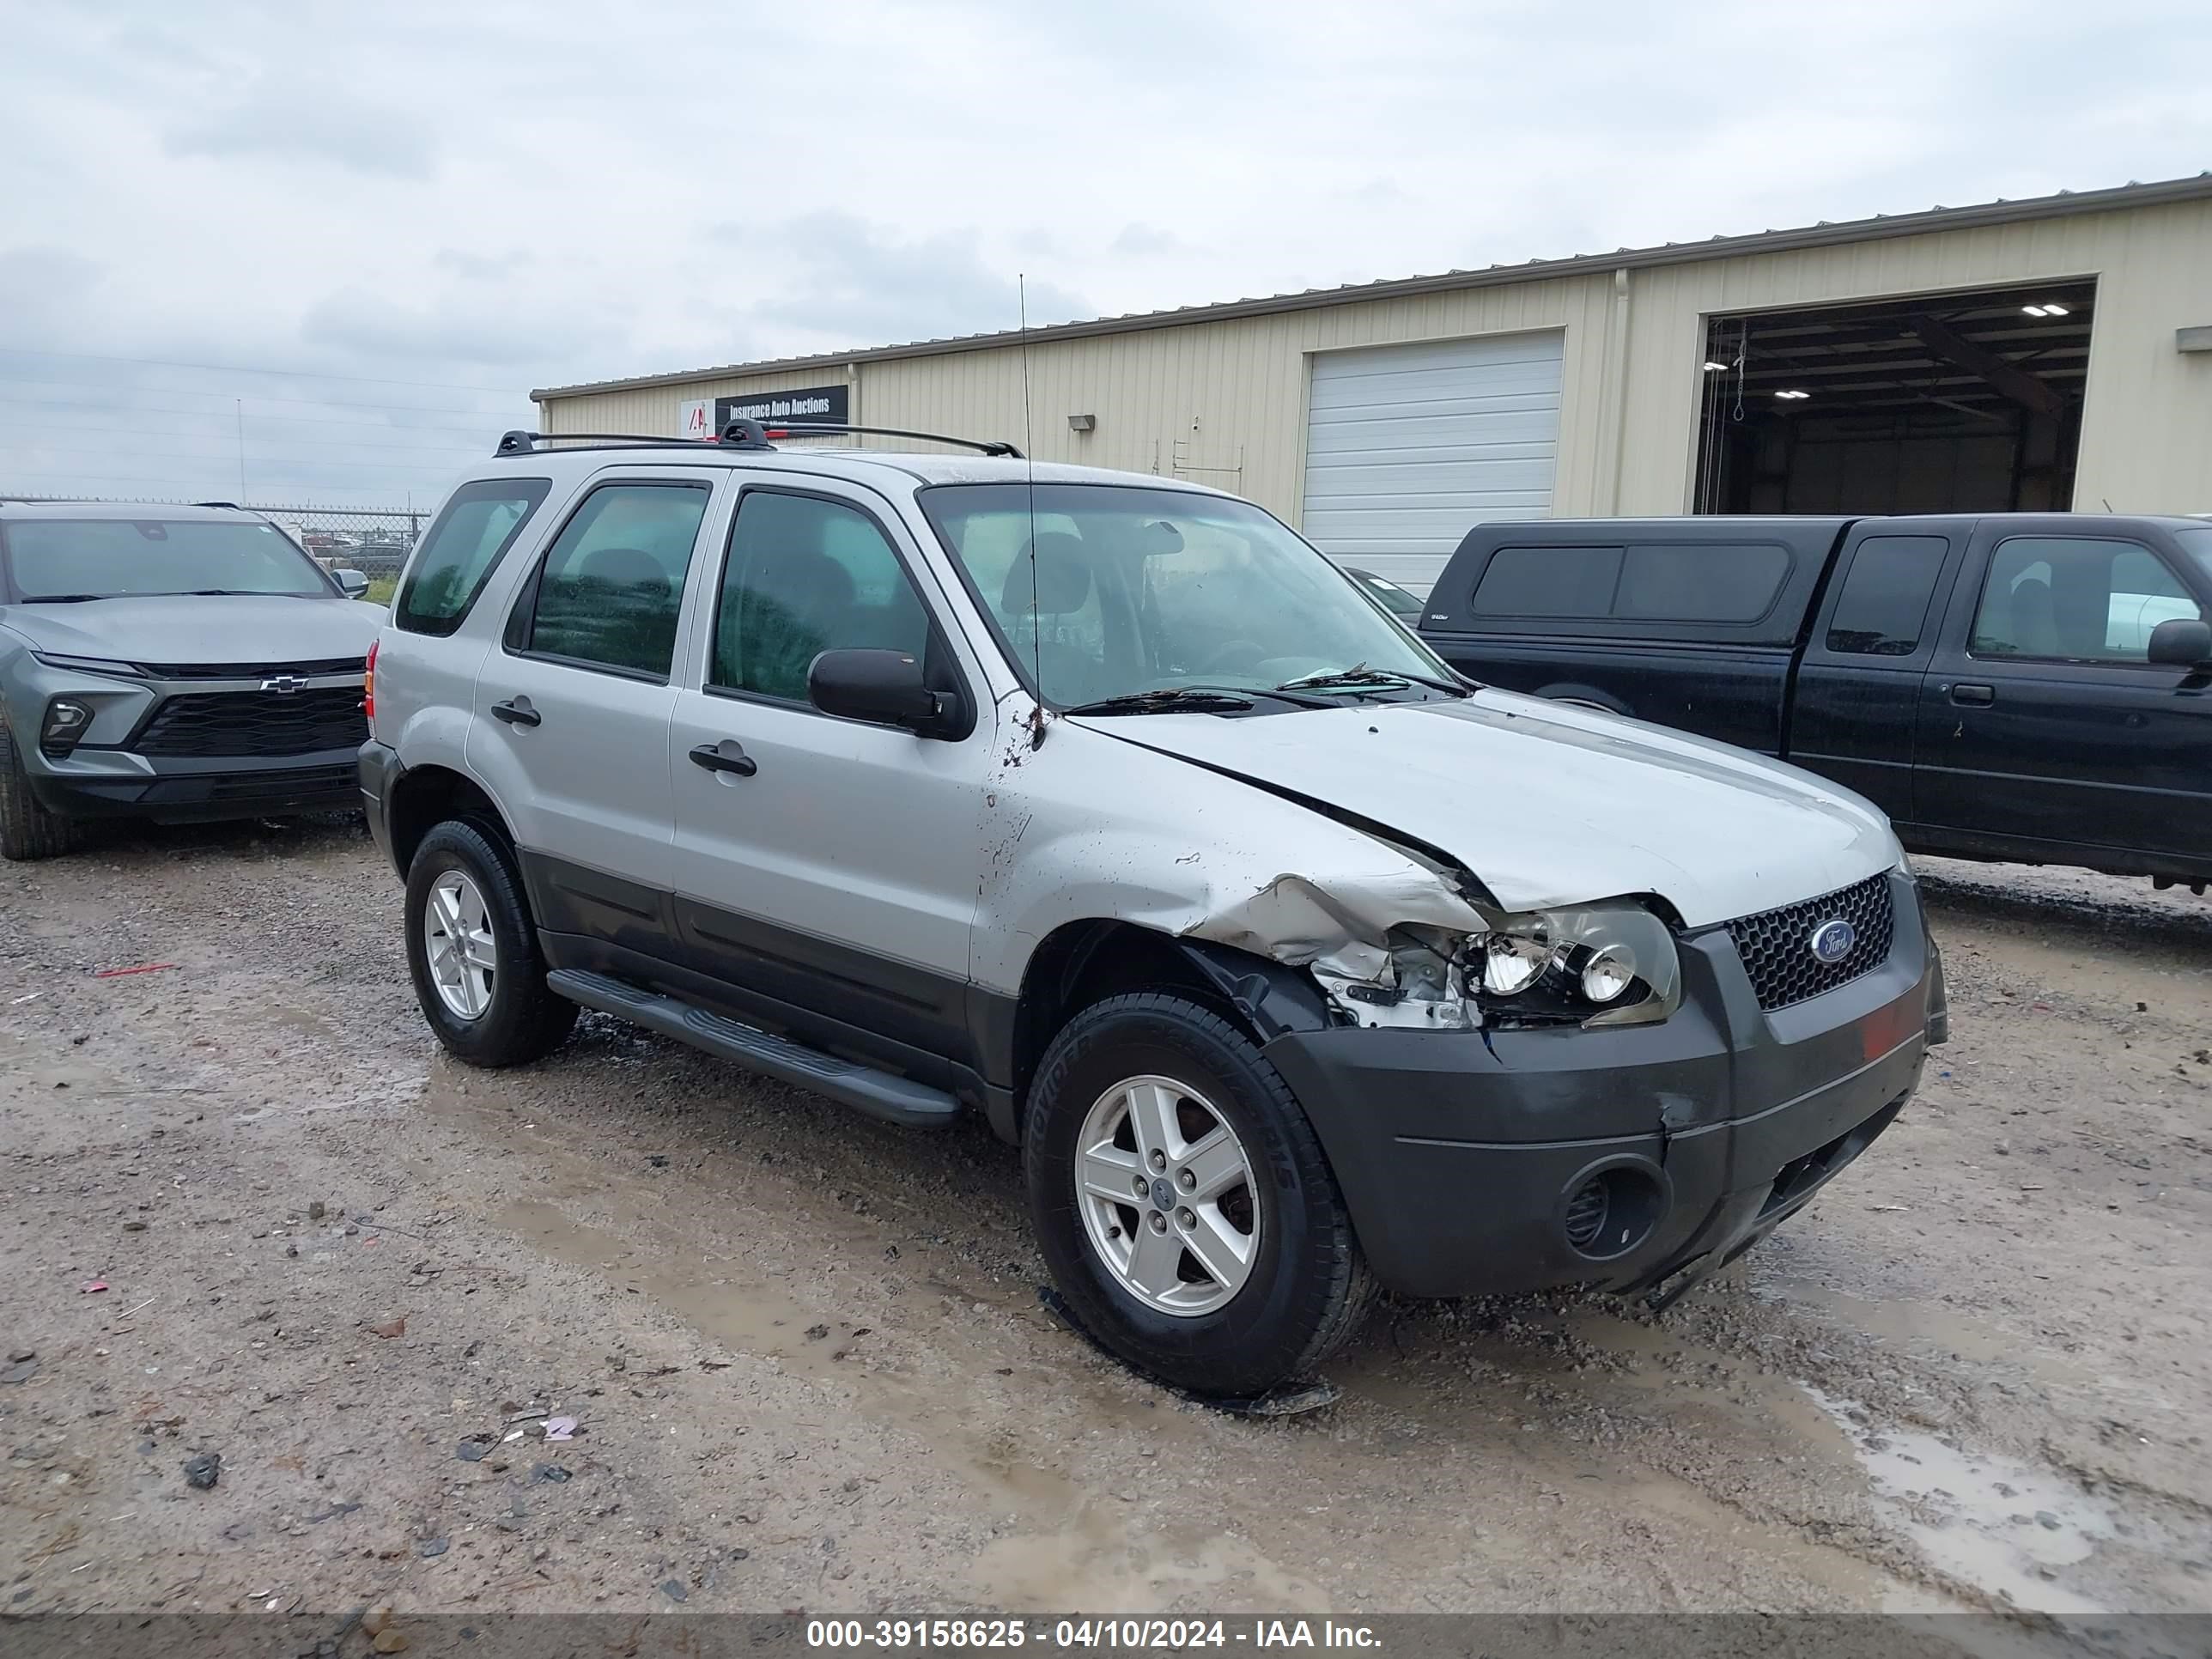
<point x="351" y="538"/>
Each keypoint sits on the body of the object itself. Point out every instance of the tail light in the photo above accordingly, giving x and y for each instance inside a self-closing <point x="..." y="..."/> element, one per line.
<point x="368" y="682"/>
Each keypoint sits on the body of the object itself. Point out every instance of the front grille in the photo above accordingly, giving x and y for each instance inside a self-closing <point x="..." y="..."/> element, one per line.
<point x="1777" y="945"/>
<point x="205" y="723"/>
<point x="248" y="671"/>
<point x="336" y="783"/>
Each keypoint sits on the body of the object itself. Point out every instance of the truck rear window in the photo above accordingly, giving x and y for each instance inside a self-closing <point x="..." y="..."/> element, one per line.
<point x="1644" y="582"/>
<point x="1884" y="602"/>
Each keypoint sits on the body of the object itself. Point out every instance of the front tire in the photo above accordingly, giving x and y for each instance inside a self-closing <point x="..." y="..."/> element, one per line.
<point x="472" y="951"/>
<point x="1236" y="1268"/>
<point x="27" y="829"/>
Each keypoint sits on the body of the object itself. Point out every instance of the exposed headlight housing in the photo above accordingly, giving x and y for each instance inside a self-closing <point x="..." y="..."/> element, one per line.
<point x="1598" y="964"/>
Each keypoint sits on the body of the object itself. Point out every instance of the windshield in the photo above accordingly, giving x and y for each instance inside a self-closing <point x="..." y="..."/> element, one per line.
<point x="2195" y="541"/>
<point x="112" y="558"/>
<point x="1138" y="589"/>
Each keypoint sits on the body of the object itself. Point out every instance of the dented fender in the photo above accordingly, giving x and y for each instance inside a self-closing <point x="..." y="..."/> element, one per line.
<point x="1084" y="826"/>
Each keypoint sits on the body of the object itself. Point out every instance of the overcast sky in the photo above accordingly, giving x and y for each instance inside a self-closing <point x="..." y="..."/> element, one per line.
<point x="364" y="232"/>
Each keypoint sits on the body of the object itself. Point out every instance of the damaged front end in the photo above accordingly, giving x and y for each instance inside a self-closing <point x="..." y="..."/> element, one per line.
<point x="1428" y="950"/>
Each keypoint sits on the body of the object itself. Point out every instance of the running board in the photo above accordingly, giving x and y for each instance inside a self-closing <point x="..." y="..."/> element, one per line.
<point x="883" y="1095"/>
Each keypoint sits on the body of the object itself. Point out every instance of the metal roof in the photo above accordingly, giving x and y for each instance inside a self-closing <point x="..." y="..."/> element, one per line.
<point x="857" y="466"/>
<point x="1822" y="234"/>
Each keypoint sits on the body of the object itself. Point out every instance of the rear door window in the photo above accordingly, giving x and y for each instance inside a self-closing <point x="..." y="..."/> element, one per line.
<point x="478" y="523"/>
<point x="1883" y="606"/>
<point x="612" y="586"/>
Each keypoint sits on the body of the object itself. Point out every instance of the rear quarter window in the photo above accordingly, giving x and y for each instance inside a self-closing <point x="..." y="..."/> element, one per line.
<point x="1690" y="581"/>
<point x="472" y="534"/>
<point x="1549" y="581"/>
<point x="1722" y="582"/>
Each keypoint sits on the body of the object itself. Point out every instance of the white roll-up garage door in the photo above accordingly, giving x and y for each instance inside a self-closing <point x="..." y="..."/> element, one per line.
<point x="1407" y="447"/>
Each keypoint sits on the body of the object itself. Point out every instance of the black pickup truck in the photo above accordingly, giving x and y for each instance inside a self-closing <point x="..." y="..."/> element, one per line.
<point x="2021" y="686"/>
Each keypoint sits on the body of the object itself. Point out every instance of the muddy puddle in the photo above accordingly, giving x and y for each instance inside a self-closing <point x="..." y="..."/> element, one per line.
<point x="2003" y="1526"/>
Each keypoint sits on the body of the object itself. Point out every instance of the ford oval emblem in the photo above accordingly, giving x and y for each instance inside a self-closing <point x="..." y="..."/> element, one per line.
<point x="1831" y="941"/>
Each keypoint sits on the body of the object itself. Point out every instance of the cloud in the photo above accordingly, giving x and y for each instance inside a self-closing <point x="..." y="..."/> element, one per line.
<point x="301" y="120"/>
<point x="1143" y="241"/>
<point x="854" y="283"/>
<point x="38" y="285"/>
<point x="481" y="267"/>
<point x="386" y="209"/>
<point x="496" y="331"/>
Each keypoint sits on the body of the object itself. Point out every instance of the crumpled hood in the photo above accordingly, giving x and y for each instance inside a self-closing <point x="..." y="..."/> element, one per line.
<point x="1549" y="804"/>
<point x="248" y="629"/>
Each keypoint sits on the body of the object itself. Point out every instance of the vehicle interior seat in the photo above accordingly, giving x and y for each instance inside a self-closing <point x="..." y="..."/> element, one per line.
<point x="1062" y="586"/>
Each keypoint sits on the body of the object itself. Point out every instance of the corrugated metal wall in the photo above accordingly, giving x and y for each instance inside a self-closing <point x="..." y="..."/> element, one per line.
<point x="1224" y="402"/>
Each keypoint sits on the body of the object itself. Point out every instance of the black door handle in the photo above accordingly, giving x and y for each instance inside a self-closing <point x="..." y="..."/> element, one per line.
<point x="710" y="756"/>
<point x="1978" y="696"/>
<point x="516" y="711"/>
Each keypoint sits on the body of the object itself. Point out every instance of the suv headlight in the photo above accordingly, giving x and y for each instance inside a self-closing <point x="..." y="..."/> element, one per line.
<point x="1597" y="964"/>
<point x="128" y="670"/>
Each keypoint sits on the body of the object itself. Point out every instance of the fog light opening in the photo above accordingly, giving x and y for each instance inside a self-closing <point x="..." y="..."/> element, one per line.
<point x="1608" y="1213"/>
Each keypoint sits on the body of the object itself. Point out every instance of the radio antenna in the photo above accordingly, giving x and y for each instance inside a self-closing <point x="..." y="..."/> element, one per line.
<point x="1028" y="462"/>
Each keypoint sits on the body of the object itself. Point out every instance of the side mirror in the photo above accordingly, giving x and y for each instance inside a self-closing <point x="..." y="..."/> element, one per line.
<point x="2182" y="642"/>
<point x="884" y="688"/>
<point x="351" y="583"/>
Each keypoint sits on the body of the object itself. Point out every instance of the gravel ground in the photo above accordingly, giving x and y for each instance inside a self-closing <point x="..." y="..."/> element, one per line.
<point x="808" y="1367"/>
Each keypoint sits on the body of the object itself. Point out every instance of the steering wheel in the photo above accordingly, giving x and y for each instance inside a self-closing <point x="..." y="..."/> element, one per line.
<point x="1230" y="655"/>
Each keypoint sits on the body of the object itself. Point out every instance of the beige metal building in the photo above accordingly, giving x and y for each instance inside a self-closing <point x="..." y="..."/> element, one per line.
<point x="2054" y="352"/>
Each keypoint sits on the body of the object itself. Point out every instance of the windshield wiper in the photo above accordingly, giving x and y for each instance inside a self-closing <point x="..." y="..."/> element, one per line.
<point x="1168" y="700"/>
<point x="226" y="593"/>
<point x="67" y="599"/>
<point x="1359" y="674"/>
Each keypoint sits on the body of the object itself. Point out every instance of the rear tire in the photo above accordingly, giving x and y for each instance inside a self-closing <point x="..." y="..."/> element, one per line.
<point x="27" y="829"/>
<point x="489" y="1006"/>
<point x="1302" y="1287"/>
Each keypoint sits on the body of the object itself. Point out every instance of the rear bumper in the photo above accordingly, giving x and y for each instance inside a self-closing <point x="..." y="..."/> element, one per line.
<point x="1469" y="1163"/>
<point x="376" y="769"/>
<point x="110" y="785"/>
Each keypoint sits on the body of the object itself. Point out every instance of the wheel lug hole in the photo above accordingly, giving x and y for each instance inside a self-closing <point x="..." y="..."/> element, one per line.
<point x="1159" y="1222"/>
<point x="1187" y="1219"/>
<point x="1187" y="1180"/>
<point x="1159" y="1160"/>
<point x="1139" y="1185"/>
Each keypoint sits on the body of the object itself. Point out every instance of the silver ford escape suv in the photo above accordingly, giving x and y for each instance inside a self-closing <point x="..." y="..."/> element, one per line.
<point x="1107" y="808"/>
<point x="170" y="662"/>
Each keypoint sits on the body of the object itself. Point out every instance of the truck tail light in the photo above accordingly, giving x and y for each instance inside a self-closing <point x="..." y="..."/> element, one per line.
<point x="368" y="682"/>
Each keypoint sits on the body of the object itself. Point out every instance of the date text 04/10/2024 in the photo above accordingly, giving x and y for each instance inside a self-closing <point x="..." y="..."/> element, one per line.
<point x="1168" y="1635"/>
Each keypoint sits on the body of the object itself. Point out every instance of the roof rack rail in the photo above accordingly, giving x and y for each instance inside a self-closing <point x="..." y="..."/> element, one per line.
<point x="519" y="442"/>
<point x="825" y="428"/>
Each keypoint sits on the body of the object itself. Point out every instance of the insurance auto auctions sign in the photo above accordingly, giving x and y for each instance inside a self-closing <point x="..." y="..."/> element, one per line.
<point x="807" y="403"/>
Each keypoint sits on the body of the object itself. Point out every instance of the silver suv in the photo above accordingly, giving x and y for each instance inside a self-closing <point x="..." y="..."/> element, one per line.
<point x="170" y="662"/>
<point x="1106" y="807"/>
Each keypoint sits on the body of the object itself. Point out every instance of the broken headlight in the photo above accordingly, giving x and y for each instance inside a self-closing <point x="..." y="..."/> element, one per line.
<point x="1418" y="983"/>
<point x="1598" y="964"/>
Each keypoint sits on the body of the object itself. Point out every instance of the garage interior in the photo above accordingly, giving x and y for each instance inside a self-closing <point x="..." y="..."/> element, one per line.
<point x="1939" y="403"/>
